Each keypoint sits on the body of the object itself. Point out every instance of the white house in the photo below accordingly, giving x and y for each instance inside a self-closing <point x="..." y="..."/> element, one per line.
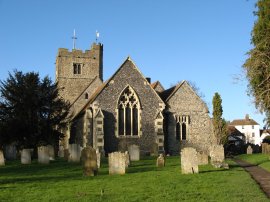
<point x="249" y="128"/>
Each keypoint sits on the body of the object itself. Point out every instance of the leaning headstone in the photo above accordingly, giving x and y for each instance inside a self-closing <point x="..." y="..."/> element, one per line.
<point x="10" y="152"/>
<point x="43" y="155"/>
<point x="98" y="158"/>
<point x="2" y="159"/>
<point x="26" y="156"/>
<point x="249" y="150"/>
<point x="217" y="155"/>
<point x="134" y="152"/>
<point x="189" y="161"/>
<point x="89" y="160"/>
<point x="74" y="153"/>
<point x="117" y="163"/>
<point x="160" y="161"/>
<point x="51" y="152"/>
<point x="202" y="158"/>
<point x="61" y="151"/>
<point x="127" y="162"/>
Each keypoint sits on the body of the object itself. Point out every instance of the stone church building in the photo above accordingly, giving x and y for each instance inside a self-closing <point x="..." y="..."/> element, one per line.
<point x="127" y="108"/>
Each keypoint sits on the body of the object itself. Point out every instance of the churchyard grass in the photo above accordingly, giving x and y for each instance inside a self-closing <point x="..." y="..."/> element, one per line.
<point x="63" y="181"/>
<point x="261" y="160"/>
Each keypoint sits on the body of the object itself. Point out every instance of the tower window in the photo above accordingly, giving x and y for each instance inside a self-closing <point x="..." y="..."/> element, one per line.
<point x="77" y="68"/>
<point x="128" y="116"/>
<point x="86" y="96"/>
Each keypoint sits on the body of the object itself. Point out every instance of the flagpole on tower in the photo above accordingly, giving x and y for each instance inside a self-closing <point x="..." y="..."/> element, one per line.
<point x="74" y="39"/>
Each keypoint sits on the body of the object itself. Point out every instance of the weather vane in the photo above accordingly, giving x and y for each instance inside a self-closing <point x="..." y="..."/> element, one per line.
<point x="97" y="36"/>
<point x="74" y="39"/>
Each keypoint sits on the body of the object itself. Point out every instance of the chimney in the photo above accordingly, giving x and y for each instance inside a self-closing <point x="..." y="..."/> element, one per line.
<point x="148" y="79"/>
<point x="247" y="117"/>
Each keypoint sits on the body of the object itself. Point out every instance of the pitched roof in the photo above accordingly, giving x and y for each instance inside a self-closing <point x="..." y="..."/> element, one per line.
<point x="233" y="131"/>
<point x="243" y="122"/>
<point x="167" y="94"/>
<point x="100" y="88"/>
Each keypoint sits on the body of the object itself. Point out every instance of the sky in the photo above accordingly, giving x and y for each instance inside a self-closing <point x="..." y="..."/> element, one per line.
<point x="204" y="42"/>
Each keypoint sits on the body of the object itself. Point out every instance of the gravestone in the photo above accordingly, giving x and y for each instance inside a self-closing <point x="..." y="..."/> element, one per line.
<point x="43" y="155"/>
<point x="189" y="161"/>
<point x="134" y="152"/>
<point x="61" y="151"/>
<point x="26" y="156"/>
<point x="89" y="160"/>
<point x="127" y="162"/>
<point x="2" y="159"/>
<point x="217" y="155"/>
<point x="117" y="163"/>
<point x="265" y="148"/>
<point x="202" y="158"/>
<point x="160" y="161"/>
<point x="51" y="152"/>
<point x="10" y="152"/>
<point x="98" y="158"/>
<point x="74" y="153"/>
<point x="249" y="150"/>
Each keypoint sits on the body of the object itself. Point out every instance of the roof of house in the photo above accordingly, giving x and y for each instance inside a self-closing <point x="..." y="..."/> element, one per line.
<point x="233" y="131"/>
<point x="243" y="122"/>
<point x="155" y="84"/>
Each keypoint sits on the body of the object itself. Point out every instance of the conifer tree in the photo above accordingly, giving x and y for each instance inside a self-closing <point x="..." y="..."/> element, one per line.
<point x="257" y="65"/>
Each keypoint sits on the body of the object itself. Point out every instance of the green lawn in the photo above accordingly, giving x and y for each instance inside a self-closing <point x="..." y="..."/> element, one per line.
<point x="261" y="160"/>
<point x="62" y="181"/>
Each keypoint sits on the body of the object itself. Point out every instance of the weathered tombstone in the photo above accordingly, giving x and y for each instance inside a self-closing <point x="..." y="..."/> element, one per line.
<point x="61" y="151"/>
<point x="268" y="149"/>
<point x="51" y="152"/>
<point x="43" y="155"/>
<point x="98" y="158"/>
<point x="134" y="152"/>
<point x="74" y="153"/>
<point x="89" y="160"/>
<point x="160" y="161"/>
<point x="117" y="163"/>
<point x="189" y="161"/>
<point x="202" y="158"/>
<point x="249" y="150"/>
<point x="26" y="156"/>
<point x="264" y="145"/>
<point x="217" y="155"/>
<point x="10" y="152"/>
<point x="2" y="159"/>
<point x="127" y="162"/>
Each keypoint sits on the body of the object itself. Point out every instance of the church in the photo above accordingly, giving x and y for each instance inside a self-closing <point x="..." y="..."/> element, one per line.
<point x="127" y="109"/>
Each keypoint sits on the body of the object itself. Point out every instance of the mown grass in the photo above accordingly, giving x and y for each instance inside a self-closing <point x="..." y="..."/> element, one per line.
<point x="62" y="181"/>
<point x="261" y="160"/>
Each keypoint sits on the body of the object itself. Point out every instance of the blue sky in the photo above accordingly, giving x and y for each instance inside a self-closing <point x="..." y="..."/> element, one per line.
<point x="170" y="41"/>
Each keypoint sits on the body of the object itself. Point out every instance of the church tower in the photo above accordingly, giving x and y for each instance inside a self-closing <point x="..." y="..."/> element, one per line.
<point x="76" y="69"/>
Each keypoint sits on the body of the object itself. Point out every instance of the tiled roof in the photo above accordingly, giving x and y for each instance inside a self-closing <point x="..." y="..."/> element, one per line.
<point x="243" y="122"/>
<point x="233" y="131"/>
<point x="166" y="94"/>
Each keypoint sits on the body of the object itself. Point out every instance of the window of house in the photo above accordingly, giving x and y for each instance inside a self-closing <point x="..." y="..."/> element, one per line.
<point x="243" y="127"/>
<point x="77" y="68"/>
<point x="253" y="134"/>
<point x="128" y="113"/>
<point x="252" y="126"/>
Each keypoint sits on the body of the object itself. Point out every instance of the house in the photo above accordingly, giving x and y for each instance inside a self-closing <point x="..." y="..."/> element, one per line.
<point x="249" y="128"/>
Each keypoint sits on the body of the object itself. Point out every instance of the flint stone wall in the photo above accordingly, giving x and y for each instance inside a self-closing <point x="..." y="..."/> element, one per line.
<point x="189" y="161"/>
<point x="117" y="163"/>
<point x="200" y="134"/>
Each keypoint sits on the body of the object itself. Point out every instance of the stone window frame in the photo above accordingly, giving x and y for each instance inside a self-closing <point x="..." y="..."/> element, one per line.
<point x="179" y="121"/>
<point x="139" y="115"/>
<point x="77" y="68"/>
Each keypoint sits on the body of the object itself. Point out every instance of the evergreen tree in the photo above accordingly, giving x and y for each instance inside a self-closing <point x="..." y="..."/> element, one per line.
<point x="220" y="125"/>
<point x="257" y="65"/>
<point x="30" y="110"/>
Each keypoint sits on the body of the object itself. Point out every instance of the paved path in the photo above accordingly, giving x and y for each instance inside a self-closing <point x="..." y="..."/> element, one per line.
<point x="261" y="176"/>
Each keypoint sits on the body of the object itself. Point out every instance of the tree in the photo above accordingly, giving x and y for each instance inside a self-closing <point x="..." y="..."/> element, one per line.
<point x="257" y="65"/>
<point x="220" y="125"/>
<point x="30" y="110"/>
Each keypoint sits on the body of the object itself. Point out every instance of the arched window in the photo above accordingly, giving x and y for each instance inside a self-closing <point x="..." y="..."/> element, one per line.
<point x="86" y="96"/>
<point x="128" y="113"/>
